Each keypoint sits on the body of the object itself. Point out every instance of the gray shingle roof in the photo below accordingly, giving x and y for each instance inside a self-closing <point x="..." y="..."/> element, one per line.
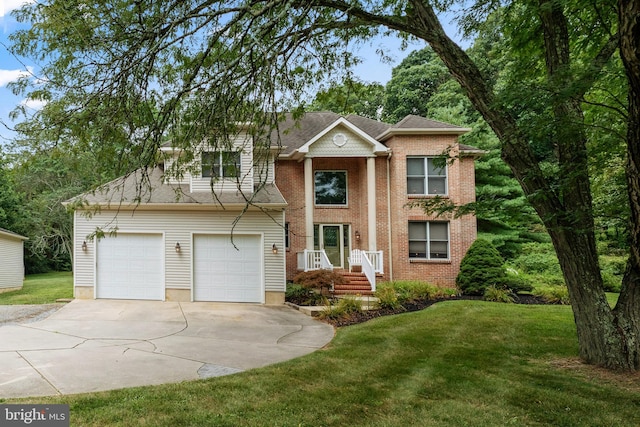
<point x="418" y="122"/>
<point x="295" y="133"/>
<point x="148" y="188"/>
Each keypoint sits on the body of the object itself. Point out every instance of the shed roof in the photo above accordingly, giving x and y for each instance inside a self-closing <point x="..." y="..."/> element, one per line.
<point x="11" y="235"/>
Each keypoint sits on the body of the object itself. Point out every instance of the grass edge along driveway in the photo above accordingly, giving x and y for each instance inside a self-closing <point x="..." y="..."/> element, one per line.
<point x="456" y="363"/>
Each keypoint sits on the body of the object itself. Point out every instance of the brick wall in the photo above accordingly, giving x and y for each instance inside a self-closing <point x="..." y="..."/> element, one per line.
<point x="461" y="189"/>
<point x="391" y="230"/>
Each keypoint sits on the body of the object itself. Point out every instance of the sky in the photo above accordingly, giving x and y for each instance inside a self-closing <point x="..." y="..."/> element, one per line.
<point x="371" y="70"/>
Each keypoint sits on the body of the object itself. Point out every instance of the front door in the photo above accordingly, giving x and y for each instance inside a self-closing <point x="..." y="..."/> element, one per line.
<point x="333" y="238"/>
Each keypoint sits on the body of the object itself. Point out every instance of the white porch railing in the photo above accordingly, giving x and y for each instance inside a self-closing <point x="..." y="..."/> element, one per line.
<point x="371" y="263"/>
<point x="374" y="258"/>
<point x="313" y="260"/>
<point x="369" y="271"/>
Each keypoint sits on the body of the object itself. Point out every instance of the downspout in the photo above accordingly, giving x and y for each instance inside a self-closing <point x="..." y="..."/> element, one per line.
<point x="389" y="215"/>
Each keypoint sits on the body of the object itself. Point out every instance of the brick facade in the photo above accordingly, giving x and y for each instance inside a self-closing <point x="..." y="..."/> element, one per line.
<point x="392" y="214"/>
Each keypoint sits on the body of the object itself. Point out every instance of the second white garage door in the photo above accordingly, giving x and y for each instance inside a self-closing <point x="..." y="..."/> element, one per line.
<point x="222" y="272"/>
<point x="130" y="266"/>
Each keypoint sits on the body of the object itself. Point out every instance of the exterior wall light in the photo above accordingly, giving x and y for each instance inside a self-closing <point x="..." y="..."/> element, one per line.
<point x="84" y="246"/>
<point x="358" y="236"/>
<point x="274" y="249"/>
<point x="177" y="247"/>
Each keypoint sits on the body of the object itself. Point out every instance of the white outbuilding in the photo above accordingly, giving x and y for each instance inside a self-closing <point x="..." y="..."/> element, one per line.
<point x="11" y="260"/>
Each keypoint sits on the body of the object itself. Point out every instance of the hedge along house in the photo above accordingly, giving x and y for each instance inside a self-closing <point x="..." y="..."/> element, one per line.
<point x="332" y="194"/>
<point x="11" y="260"/>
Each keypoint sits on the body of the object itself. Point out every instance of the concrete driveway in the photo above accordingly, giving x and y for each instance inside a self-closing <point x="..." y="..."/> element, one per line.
<point x="93" y="345"/>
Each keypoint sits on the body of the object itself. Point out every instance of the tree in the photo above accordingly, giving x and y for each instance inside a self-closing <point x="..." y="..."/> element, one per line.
<point x="351" y="97"/>
<point x="138" y="74"/>
<point x="412" y="84"/>
<point x="500" y="206"/>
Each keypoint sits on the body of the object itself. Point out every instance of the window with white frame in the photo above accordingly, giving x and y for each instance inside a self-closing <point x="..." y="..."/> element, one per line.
<point x="221" y="164"/>
<point x="330" y="187"/>
<point x="428" y="240"/>
<point x="426" y="175"/>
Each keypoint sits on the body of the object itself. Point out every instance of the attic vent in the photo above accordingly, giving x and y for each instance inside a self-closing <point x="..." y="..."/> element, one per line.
<point x="339" y="139"/>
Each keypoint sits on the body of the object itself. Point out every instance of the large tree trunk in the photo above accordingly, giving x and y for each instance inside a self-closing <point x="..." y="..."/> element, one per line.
<point x="604" y="339"/>
<point x="627" y="310"/>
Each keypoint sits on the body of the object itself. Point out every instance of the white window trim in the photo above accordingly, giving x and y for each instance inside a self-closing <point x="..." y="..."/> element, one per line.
<point x="426" y="177"/>
<point x="428" y="241"/>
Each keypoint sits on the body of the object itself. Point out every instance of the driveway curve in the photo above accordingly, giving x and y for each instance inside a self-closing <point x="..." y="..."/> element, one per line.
<point x="95" y="345"/>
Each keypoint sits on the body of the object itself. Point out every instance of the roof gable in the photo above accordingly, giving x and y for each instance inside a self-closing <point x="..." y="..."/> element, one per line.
<point x="341" y="122"/>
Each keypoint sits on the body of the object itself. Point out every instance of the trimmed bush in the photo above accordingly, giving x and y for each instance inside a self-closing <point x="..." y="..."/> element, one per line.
<point x="319" y="279"/>
<point x="481" y="267"/>
<point x="300" y="295"/>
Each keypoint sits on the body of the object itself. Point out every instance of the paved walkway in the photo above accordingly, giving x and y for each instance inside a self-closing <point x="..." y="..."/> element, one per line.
<point x="93" y="345"/>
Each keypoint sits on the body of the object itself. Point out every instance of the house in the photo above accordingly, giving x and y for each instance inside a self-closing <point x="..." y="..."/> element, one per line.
<point x="11" y="260"/>
<point x="331" y="193"/>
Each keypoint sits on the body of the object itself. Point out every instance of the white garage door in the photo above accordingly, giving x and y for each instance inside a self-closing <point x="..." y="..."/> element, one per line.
<point x="130" y="266"/>
<point x="222" y="272"/>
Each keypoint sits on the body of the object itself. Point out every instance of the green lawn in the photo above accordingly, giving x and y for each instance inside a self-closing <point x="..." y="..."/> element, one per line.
<point x="41" y="289"/>
<point x="457" y="363"/>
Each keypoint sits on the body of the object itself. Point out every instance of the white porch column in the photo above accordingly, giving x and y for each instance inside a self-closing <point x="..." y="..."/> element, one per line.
<point x="371" y="202"/>
<point x="308" y="201"/>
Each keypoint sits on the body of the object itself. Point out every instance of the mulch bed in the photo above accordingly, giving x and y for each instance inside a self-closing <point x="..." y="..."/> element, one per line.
<point x="416" y="306"/>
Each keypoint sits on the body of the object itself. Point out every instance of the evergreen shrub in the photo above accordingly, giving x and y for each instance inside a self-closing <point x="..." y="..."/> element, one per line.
<point x="481" y="267"/>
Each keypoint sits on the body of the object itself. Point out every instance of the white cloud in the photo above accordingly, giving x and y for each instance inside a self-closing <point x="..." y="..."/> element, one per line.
<point x="6" y="6"/>
<point x="7" y="76"/>
<point x="33" y="104"/>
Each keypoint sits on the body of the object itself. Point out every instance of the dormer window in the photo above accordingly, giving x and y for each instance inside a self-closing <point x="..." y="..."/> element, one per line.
<point x="221" y="164"/>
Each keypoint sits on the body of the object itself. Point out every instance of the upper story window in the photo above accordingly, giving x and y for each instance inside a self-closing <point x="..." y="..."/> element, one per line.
<point x="428" y="240"/>
<point x="331" y="188"/>
<point x="221" y="164"/>
<point x="426" y="175"/>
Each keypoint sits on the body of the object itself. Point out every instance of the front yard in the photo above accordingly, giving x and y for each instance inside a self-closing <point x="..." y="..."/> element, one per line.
<point x="456" y="363"/>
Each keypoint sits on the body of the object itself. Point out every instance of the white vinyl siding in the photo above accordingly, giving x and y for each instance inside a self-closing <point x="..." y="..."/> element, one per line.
<point x="178" y="227"/>
<point x="244" y="145"/>
<point x="353" y="146"/>
<point x="11" y="262"/>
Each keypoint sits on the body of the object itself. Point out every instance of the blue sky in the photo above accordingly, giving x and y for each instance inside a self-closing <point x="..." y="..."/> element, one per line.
<point x="371" y="70"/>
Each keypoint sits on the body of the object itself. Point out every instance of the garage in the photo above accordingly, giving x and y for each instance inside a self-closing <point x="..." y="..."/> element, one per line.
<point x="227" y="272"/>
<point x="130" y="266"/>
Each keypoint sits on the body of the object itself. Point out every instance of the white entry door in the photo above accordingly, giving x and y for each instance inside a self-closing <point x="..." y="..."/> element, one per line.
<point x="227" y="273"/>
<point x="130" y="266"/>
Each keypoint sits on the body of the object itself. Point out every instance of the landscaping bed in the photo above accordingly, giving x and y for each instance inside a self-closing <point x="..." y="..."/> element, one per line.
<point x="356" y="317"/>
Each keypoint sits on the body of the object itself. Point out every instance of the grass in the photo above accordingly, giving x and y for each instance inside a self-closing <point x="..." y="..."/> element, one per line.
<point x="458" y="363"/>
<point x="41" y="289"/>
